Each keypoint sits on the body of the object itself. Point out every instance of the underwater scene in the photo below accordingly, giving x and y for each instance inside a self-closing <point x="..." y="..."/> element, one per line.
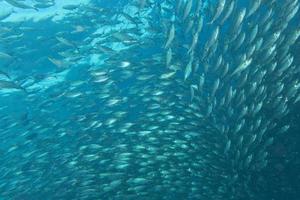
<point x="149" y="100"/>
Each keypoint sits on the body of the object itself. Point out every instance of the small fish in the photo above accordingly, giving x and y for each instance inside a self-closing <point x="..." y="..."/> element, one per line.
<point x="5" y="13"/>
<point x="215" y="87"/>
<point x="70" y="7"/>
<point x="171" y="36"/>
<point x="58" y="63"/>
<point x="192" y="90"/>
<point x="242" y="66"/>
<point x="228" y="12"/>
<point x="10" y="85"/>
<point x="201" y="82"/>
<point x="219" y="10"/>
<point x="188" y="69"/>
<point x="78" y="29"/>
<point x="167" y="75"/>
<point x="227" y="147"/>
<point x="44" y="5"/>
<point x="254" y="6"/>
<point x="5" y="56"/>
<point x="187" y="9"/>
<point x="213" y="38"/>
<point x="19" y="4"/>
<point x="169" y="57"/>
<point x="239" y="19"/>
<point x="194" y="43"/>
<point x="5" y="74"/>
<point x="66" y="42"/>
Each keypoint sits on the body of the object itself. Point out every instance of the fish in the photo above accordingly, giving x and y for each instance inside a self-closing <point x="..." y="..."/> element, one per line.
<point x="168" y="75"/>
<point x="201" y="82"/>
<point x="6" y="13"/>
<point x="149" y="100"/>
<point x="21" y="5"/>
<point x="5" y="56"/>
<point x="239" y="19"/>
<point x="227" y="147"/>
<point x="218" y="12"/>
<point x="169" y="57"/>
<point x="70" y="7"/>
<point x="10" y="85"/>
<point x="43" y="5"/>
<point x="213" y="38"/>
<point x="4" y="74"/>
<point x="228" y="12"/>
<point x="215" y="87"/>
<point x="66" y="42"/>
<point x="194" y="43"/>
<point x="187" y="9"/>
<point x="188" y="69"/>
<point x="58" y="63"/>
<point x="171" y="36"/>
<point x="242" y="66"/>
<point x="254" y="7"/>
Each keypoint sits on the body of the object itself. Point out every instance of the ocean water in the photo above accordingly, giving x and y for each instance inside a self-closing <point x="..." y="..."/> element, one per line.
<point x="149" y="99"/>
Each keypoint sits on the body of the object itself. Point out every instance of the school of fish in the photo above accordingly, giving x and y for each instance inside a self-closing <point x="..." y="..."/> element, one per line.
<point x="145" y="99"/>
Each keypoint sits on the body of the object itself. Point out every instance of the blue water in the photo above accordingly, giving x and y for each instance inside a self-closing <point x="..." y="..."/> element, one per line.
<point x="90" y="115"/>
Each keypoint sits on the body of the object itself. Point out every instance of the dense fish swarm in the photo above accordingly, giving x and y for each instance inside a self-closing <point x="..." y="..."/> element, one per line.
<point x="146" y="99"/>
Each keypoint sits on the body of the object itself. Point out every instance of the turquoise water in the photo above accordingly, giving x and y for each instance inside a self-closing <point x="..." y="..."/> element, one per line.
<point x="149" y="99"/>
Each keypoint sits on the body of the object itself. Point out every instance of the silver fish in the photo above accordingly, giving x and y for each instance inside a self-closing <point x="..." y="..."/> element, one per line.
<point x="219" y="10"/>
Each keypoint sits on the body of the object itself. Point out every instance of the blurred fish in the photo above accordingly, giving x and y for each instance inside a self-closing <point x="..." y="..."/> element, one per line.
<point x="148" y="99"/>
<point x="219" y="10"/>
<point x="5" y="13"/>
<point x="10" y="85"/>
<point x="19" y="4"/>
